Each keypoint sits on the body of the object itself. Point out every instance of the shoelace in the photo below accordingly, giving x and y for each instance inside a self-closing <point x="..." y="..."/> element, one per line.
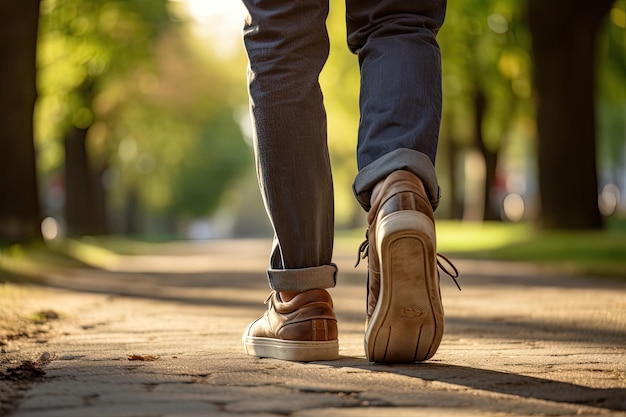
<point x="364" y="249"/>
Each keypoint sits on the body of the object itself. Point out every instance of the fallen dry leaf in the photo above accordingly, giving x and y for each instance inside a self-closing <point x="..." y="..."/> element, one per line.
<point x="27" y="370"/>
<point x="142" y="357"/>
<point x="33" y="367"/>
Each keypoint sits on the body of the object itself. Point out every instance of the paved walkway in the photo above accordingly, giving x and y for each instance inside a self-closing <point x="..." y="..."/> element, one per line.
<point x="518" y="342"/>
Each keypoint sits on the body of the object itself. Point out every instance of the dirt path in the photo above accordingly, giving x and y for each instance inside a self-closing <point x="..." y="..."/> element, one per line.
<point x="163" y="339"/>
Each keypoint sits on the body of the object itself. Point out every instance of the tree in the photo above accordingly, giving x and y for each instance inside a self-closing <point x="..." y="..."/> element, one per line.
<point x="85" y="44"/>
<point x="485" y="80"/>
<point x="20" y="216"/>
<point x="180" y="145"/>
<point x="611" y="101"/>
<point x="137" y="113"/>
<point x="564" y="54"/>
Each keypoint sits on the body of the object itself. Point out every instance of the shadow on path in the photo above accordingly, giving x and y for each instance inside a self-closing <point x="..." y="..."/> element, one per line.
<point x="500" y="382"/>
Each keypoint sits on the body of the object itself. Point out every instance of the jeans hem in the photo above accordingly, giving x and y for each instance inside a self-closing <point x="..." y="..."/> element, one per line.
<point x="303" y="279"/>
<point x="400" y="159"/>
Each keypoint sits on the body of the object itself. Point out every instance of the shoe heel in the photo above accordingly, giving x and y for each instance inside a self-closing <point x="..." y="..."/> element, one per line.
<point x="407" y="324"/>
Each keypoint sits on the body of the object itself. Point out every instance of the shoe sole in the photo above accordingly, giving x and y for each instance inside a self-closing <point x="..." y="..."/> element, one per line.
<point x="407" y="324"/>
<point x="290" y="350"/>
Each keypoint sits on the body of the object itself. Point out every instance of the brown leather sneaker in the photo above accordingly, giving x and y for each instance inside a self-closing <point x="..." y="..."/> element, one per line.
<point x="303" y="329"/>
<point x="404" y="313"/>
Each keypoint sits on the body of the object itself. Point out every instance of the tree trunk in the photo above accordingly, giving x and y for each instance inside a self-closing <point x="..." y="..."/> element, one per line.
<point x="490" y="157"/>
<point x="131" y="212"/>
<point x="456" y="203"/>
<point x="491" y="210"/>
<point x="564" y="52"/>
<point x="20" y="213"/>
<point x="83" y="212"/>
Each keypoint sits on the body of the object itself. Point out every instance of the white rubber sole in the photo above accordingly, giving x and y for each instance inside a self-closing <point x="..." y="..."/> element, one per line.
<point x="407" y="324"/>
<point x="290" y="350"/>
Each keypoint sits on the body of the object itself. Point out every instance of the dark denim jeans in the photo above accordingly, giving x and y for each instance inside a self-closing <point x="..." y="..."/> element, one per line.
<point x="400" y="103"/>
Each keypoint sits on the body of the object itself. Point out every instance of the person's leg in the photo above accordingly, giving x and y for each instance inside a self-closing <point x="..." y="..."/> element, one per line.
<point x="400" y="115"/>
<point x="400" y="98"/>
<point x="287" y="46"/>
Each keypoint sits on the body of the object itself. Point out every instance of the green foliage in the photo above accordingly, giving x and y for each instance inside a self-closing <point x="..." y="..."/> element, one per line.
<point x="484" y="48"/>
<point x="82" y="45"/>
<point x="160" y="107"/>
<point x="180" y="145"/>
<point x="209" y="167"/>
<point x="612" y="92"/>
<point x="159" y="114"/>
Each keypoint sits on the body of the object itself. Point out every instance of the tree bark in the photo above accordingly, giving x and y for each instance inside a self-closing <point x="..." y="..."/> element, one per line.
<point x="490" y="157"/>
<point x="83" y="212"/>
<point x="453" y="194"/>
<point x="85" y="208"/>
<point x="20" y="213"/>
<point x="131" y="212"/>
<point x="564" y="52"/>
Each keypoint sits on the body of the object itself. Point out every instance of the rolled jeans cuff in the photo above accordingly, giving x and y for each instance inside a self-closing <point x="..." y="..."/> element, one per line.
<point x="401" y="159"/>
<point x="303" y="279"/>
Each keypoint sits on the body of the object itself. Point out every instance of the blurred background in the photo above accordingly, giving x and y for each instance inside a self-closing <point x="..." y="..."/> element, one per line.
<point x="141" y="127"/>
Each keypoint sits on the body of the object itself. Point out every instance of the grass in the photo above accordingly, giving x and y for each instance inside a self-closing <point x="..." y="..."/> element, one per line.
<point x="597" y="253"/>
<point x="28" y="263"/>
<point x="601" y="253"/>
